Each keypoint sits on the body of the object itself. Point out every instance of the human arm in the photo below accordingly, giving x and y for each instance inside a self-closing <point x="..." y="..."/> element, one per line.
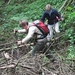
<point x="43" y="17"/>
<point x="58" y="16"/>
<point x="29" y="35"/>
<point x="19" y="31"/>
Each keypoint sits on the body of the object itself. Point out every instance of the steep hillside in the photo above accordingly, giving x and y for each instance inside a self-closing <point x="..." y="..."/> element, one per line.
<point x="13" y="11"/>
<point x="62" y="46"/>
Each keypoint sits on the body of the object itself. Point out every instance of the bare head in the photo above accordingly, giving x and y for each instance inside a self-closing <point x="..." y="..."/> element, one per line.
<point x="23" y="23"/>
<point x="48" y="7"/>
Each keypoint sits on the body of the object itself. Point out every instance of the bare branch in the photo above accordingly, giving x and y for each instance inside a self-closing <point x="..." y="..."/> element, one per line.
<point x="7" y="66"/>
<point x="15" y="47"/>
<point x="63" y="5"/>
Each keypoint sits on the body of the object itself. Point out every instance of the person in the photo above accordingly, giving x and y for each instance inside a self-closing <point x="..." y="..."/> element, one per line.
<point x="32" y="30"/>
<point x="53" y="17"/>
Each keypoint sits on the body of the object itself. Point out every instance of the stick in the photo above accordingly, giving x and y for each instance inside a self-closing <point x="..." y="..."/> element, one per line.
<point x="7" y="66"/>
<point x="15" y="47"/>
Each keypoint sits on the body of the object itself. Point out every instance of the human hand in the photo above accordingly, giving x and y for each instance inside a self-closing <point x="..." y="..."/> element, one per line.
<point x="15" y="30"/>
<point x="19" y="42"/>
<point x="62" y="19"/>
<point x="59" y="19"/>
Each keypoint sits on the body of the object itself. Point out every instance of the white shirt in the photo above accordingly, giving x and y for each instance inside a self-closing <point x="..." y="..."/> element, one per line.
<point x="31" y="31"/>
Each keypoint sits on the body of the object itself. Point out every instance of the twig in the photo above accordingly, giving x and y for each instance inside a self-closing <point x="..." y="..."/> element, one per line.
<point x="15" y="47"/>
<point x="8" y="66"/>
<point x="49" y="71"/>
<point x="8" y="2"/>
<point x="63" y="5"/>
<point x="54" y="42"/>
<point x="68" y="59"/>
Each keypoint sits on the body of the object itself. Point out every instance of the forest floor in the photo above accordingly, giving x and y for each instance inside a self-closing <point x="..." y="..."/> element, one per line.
<point x="25" y="64"/>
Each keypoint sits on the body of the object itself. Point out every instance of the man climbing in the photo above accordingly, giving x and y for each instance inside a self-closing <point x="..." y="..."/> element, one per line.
<point x="53" y="17"/>
<point x="40" y="30"/>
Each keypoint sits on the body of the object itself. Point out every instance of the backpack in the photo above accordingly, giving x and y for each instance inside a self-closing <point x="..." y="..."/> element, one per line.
<point x="42" y="27"/>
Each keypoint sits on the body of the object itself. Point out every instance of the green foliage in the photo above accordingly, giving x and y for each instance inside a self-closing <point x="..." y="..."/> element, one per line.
<point x="45" y="58"/>
<point x="71" y="52"/>
<point x="69" y="8"/>
<point x="1" y="3"/>
<point x="69" y="26"/>
<point x="70" y="35"/>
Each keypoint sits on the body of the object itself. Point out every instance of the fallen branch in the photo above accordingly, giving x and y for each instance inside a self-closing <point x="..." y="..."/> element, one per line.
<point x="8" y="2"/>
<point x="8" y="66"/>
<point x="68" y="59"/>
<point x="50" y="72"/>
<point x="53" y="42"/>
<point x="63" y="5"/>
<point x="6" y="44"/>
<point x="15" y="47"/>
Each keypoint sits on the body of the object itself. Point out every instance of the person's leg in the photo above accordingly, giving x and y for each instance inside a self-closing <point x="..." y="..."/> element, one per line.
<point x="39" y="47"/>
<point x="50" y="35"/>
<point x="56" y="27"/>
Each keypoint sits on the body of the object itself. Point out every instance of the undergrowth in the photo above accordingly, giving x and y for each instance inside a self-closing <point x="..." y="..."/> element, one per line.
<point x="31" y="10"/>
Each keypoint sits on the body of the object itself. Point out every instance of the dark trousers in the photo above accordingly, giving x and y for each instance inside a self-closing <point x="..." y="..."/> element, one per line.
<point x="39" y="47"/>
<point x="42" y="47"/>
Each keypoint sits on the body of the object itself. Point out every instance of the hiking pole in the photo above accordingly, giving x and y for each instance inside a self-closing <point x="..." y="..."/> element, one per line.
<point x="17" y="49"/>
